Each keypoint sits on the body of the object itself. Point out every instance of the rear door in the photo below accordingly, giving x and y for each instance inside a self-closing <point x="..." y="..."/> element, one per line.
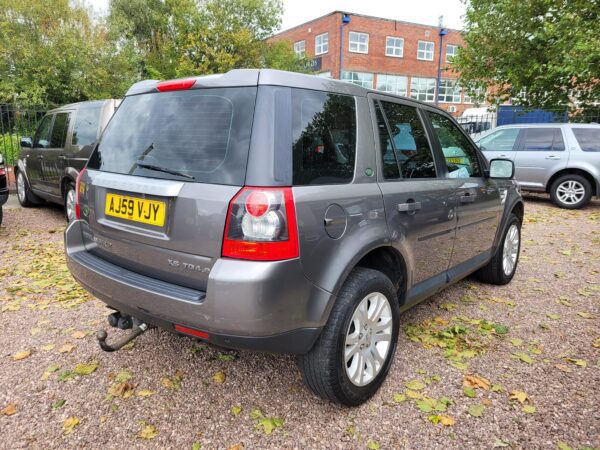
<point x="168" y="224"/>
<point x="55" y="158"/>
<point x="500" y="144"/>
<point x="540" y="153"/>
<point x="477" y="199"/>
<point x="418" y="203"/>
<point x="34" y="156"/>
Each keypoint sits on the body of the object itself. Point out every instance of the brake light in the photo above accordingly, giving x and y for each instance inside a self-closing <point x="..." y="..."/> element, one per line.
<point x="78" y="194"/>
<point x="261" y="225"/>
<point x="175" y="85"/>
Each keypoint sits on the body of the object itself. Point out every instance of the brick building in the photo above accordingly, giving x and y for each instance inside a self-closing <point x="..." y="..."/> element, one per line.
<point x="384" y="54"/>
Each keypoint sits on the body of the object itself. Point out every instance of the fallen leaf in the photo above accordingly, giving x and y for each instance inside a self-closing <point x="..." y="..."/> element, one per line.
<point x="123" y="375"/>
<point x="528" y="409"/>
<point x="470" y="392"/>
<point x="47" y="348"/>
<point x="596" y="343"/>
<point x="476" y="410"/>
<point x="148" y="432"/>
<point x="516" y="342"/>
<point x="239" y="446"/>
<point x="553" y="316"/>
<point x="70" y="424"/>
<point x="58" y="404"/>
<point x="563" y="368"/>
<point x="523" y="357"/>
<point x="78" y="335"/>
<point x="124" y="390"/>
<point x="563" y="446"/>
<point x="219" y="377"/>
<point x="498" y="443"/>
<point x="577" y="362"/>
<point x="518" y="395"/>
<point x="447" y="421"/>
<point x="413" y="394"/>
<point x="399" y="398"/>
<point x="9" y="409"/>
<point x="67" y="348"/>
<point x="269" y="424"/>
<point x="373" y="445"/>
<point x="235" y="410"/>
<point x="497" y="388"/>
<point x="21" y="355"/>
<point x="415" y="385"/>
<point x="86" y="369"/>
<point x="585" y="315"/>
<point x="196" y="446"/>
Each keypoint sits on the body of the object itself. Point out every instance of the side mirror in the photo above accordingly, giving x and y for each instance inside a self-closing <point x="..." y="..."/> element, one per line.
<point x="26" y="142"/>
<point x="502" y="169"/>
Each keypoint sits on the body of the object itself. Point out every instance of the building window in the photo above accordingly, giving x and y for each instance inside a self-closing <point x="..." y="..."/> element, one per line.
<point x="451" y="51"/>
<point x="321" y="43"/>
<point x="361" y="78"/>
<point x="425" y="51"/>
<point x="324" y="74"/>
<point x="359" y="42"/>
<point x="300" y="48"/>
<point x="394" y="46"/>
<point x="422" y="89"/>
<point x="392" y="83"/>
<point x="449" y="91"/>
<point x="477" y="96"/>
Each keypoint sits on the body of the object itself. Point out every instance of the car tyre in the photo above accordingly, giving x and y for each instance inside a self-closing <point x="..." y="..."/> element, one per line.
<point x="70" y="200"/>
<point x="347" y="365"/>
<point x="24" y="195"/>
<point x="1" y="214"/>
<point x="503" y="265"/>
<point x="571" y="191"/>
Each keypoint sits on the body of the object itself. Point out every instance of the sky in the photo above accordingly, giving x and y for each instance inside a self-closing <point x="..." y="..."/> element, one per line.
<point x="426" y="12"/>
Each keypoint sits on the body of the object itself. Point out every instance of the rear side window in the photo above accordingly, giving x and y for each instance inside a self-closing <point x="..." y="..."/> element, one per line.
<point x="42" y="135"/>
<point x="459" y="153"/>
<point x="500" y="141"/>
<point x="542" y="140"/>
<point x="85" y="130"/>
<point x="199" y="135"/>
<point x="407" y="137"/>
<point x="588" y="138"/>
<point x="59" y="130"/>
<point x="323" y="137"/>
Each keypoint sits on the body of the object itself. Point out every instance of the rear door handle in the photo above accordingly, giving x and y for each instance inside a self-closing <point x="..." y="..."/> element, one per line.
<point x="468" y="198"/>
<point x="409" y="206"/>
<point x="553" y="157"/>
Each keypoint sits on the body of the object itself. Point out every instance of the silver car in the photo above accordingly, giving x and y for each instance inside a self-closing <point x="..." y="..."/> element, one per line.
<point x="560" y="159"/>
<point x="282" y="212"/>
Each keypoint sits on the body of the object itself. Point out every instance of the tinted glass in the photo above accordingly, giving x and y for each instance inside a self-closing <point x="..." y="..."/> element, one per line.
<point x="542" y="140"/>
<point x="588" y="139"/>
<point x="390" y="165"/>
<point x="59" y="130"/>
<point x="459" y="153"/>
<point x="500" y="141"/>
<point x="85" y="130"/>
<point x="201" y="133"/>
<point x="409" y="140"/>
<point x="323" y="136"/>
<point x="42" y="135"/>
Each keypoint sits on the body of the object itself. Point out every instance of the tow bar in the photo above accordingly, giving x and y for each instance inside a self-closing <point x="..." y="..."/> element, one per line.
<point x="123" y="322"/>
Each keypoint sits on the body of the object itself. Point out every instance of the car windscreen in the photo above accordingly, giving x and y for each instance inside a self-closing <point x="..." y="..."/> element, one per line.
<point x="199" y="135"/>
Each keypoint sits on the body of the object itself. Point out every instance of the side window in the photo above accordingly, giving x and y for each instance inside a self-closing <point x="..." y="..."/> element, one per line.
<point x="390" y="165"/>
<point x="500" y="141"/>
<point x="42" y="135"/>
<point x="459" y="153"/>
<point x="85" y="130"/>
<point x="542" y="140"/>
<point x="59" y="130"/>
<point x="323" y="136"/>
<point x="588" y="139"/>
<point x="409" y="140"/>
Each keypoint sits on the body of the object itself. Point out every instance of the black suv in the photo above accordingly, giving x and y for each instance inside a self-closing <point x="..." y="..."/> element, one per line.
<point x="50" y="162"/>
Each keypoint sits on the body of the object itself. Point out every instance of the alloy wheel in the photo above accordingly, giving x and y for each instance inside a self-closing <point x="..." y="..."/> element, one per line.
<point x="21" y="187"/>
<point x="570" y="192"/>
<point x="70" y="204"/>
<point x="510" y="251"/>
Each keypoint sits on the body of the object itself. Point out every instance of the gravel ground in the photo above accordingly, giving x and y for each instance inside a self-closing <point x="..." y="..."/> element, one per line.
<point x="540" y="335"/>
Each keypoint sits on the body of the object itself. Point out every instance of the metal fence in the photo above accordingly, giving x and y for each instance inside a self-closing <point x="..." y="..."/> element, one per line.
<point x="17" y="121"/>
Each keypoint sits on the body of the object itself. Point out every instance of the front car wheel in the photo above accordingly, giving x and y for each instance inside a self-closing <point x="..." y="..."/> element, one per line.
<point x="571" y="191"/>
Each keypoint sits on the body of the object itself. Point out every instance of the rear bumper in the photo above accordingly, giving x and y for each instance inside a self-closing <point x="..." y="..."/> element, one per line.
<point x="264" y="306"/>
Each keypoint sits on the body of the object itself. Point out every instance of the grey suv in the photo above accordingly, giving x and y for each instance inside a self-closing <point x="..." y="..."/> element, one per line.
<point x="560" y="159"/>
<point x="50" y="162"/>
<point x="281" y="212"/>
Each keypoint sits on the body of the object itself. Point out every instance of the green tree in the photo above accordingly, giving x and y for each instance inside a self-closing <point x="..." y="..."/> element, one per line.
<point x="540" y="53"/>
<point x="51" y="52"/>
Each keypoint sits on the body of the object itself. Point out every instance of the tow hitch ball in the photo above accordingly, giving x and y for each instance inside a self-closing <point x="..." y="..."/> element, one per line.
<point x="123" y="322"/>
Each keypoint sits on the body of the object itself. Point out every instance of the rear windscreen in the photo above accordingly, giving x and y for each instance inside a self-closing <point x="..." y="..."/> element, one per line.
<point x="198" y="135"/>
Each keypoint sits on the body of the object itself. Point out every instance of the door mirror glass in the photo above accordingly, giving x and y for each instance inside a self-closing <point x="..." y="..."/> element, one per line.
<point x="503" y="169"/>
<point x="26" y="142"/>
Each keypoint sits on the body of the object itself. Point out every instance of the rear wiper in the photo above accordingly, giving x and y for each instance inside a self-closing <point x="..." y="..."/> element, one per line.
<point x="144" y="165"/>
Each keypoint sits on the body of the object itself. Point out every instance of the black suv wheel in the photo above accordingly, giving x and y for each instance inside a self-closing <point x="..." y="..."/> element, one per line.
<point x="503" y="265"/>
<point x="24" y="195"/>
<point x="353" y="355"/>
<point x="571" y="191"/>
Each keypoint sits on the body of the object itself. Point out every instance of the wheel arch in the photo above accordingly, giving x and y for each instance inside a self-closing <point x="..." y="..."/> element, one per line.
<point x="575" y="171"/>
<point x="69" y="176"/>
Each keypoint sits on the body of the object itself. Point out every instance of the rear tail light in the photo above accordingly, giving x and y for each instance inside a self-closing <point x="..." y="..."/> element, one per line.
<point x="78" y="189"/>
<point x="2" y="170"/>
<point x="261" y="225"/>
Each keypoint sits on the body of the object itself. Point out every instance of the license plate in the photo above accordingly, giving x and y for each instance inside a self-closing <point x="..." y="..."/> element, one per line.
<point x="454" y="160"/>
<point x="135" y="209"/>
